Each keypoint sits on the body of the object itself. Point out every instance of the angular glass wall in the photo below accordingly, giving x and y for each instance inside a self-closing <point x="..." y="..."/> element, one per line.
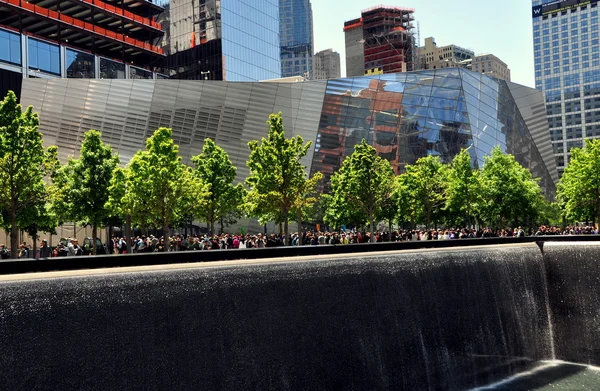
<point x="43" y="56"/>
<point x="407" y="116"/>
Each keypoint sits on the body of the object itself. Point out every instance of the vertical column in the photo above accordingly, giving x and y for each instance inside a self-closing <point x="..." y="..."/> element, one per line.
<point x="24" y="56"/>
<point x="63" y="61"/>
<point x="96" y="67"/>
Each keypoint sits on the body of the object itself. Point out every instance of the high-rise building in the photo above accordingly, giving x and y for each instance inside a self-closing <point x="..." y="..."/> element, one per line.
<point x="103" y="39"/>
<point x="326" y="65"/>
<point x="235" y="40"/>
<point x="432" y="56"/>
<point x="566" y="46"/>
<point x="380" y="41"/>
<point x="296" y="28"/>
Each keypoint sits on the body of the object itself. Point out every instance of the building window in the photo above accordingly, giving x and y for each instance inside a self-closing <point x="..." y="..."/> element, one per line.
<point x="138" y="73"/>
<point x="111" y="69"/>
<point x="80" y="65"/>
<point x="10" y="47"/>
<point x="43" y="56"/>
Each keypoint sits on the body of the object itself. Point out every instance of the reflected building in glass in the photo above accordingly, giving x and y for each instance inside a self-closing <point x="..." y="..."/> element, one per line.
<point x="405" y="116"/>
<point x="296" y="28"/>
<point x="234" y="40"/>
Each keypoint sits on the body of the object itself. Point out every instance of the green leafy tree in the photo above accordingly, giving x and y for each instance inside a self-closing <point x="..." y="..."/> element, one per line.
<point x="427" y="183"/>
<point x="463" y="194"/>
<point x="409" y="208"/>
<point x="156" y="187"/>
<point x="88" y="185"/>
<point x="509" y="192"/>
<point x="24" y="163"/>
<point x="306" y="198"/>
<point x="277" y="176"/>
<point x="214" y="168"/>
<point x="363" y="184"/>
<point x="579" y="188"/>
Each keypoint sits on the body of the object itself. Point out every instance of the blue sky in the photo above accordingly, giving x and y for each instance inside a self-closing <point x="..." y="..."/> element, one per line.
<point x="502" y="28"/>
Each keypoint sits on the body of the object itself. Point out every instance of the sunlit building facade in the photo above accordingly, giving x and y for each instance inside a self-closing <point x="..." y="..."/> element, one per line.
<point x="405" y="116"/>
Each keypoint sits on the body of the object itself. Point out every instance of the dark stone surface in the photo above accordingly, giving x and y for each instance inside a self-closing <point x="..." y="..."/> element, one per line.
<point x="444" y="319"/>
<point x="573" y="272"/>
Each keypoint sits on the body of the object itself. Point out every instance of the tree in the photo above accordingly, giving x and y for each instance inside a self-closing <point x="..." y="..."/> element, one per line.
<point x="463" y="194"/>
<point x="90" y="178"/>
<point x="427" y="182"/>
<point x="214" y="168"/>
<point x="362" y="185"/>
<point x="156" y="187"/>
<point x="306" y="198"/>
<point x="579" y="188"/>
<point x="509" y="192"/>
<point x="24" y="163"/>
<point x="277" y="176"/>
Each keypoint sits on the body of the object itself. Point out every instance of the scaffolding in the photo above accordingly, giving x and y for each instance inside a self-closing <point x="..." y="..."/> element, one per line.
<point x="390" y="44"/>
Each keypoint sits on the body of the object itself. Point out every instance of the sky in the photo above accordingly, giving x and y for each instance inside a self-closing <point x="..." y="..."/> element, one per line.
<point x="502" y="28"/>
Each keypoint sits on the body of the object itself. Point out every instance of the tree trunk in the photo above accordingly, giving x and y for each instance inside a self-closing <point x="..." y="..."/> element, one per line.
<point x="299" y="227"/>
<point x="166" y="235"/>
<point x="128" y="233"/>
<point x="35" y="235"/>
<point x="212" y="227"/>
<point x="287" y="232"/>
<point x="74" y="230"/>
<point x="14" y="236"/>
<point x="280" y="228"/>
<point x="390" y="231"/>
<point x="222" y="225"/>
<point x="94" y="236"/>
<point x="372" y="224"/>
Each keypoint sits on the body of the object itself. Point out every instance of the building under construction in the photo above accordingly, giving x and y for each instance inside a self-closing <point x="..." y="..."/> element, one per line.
<point x="382" y="40"/>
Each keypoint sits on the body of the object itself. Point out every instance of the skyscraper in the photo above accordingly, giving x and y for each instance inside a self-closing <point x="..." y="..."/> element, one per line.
<point x="296" y="30"/>
<point x="235" y="40"/>
<point x="326" y="65"/>
<point x="567" y="69"/>
<point x="380" y="41"/>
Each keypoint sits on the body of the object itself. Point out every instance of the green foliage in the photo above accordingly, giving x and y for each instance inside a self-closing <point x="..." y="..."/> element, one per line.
<point x="277" y="178"/>
<point x="426" y="183"/>
<point x="156" y="188"/>
<point x="85" y="183"/>
<point x="214" y="168"/>
<point x="510" y="194"/>
<point x="360" y="188"/>
<point x="579" y="188"/>
<point x="463" y="194"/>
<point x="24" y="163"/>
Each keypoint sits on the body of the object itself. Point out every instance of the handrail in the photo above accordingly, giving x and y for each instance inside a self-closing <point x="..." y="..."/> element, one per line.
<point x="36" y="9"/>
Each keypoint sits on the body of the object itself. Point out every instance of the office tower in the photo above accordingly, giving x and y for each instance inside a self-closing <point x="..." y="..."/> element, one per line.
<point x="432" y="56"/>
<point x="567" y="70"/>
<point x="326" y="65"/>
<point x="78" y="39"/>
<point x="380" y="41"/>
<point x="235" y="40"/>
<point x="296" y="31"/>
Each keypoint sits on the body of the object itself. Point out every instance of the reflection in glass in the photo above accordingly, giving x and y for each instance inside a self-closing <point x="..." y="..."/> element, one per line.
<point x="80" y="65"/>
<point x="139" y="73"/>
<point x="43" y="56"/>
<point x="408" y="116"/>
<point x="10" y="47"/>
<point x="111" y="69"/>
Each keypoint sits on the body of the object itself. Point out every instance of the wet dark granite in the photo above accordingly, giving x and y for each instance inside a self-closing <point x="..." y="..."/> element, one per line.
<point x="446" y="319"/>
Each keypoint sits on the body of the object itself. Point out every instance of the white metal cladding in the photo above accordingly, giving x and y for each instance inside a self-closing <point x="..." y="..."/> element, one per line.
<point x="128" y="111"/>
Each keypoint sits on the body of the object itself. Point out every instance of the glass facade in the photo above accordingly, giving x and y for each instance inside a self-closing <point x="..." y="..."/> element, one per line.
<point x="139" y="73"/>
<point x="566" y="46"/>
<point x="10" y="47"/>
<point x="110" y="69"/>
<point x="236" y="40"/>
<point x="251" y="44"/>
<point x="296" y="27"/>
<point x="80" y="65"/>
<point x="43" y="56"/>
<point x="406" y="116"/>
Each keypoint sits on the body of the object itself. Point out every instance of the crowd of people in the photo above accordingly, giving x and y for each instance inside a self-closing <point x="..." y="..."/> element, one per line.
<point x="150" y="243"/>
